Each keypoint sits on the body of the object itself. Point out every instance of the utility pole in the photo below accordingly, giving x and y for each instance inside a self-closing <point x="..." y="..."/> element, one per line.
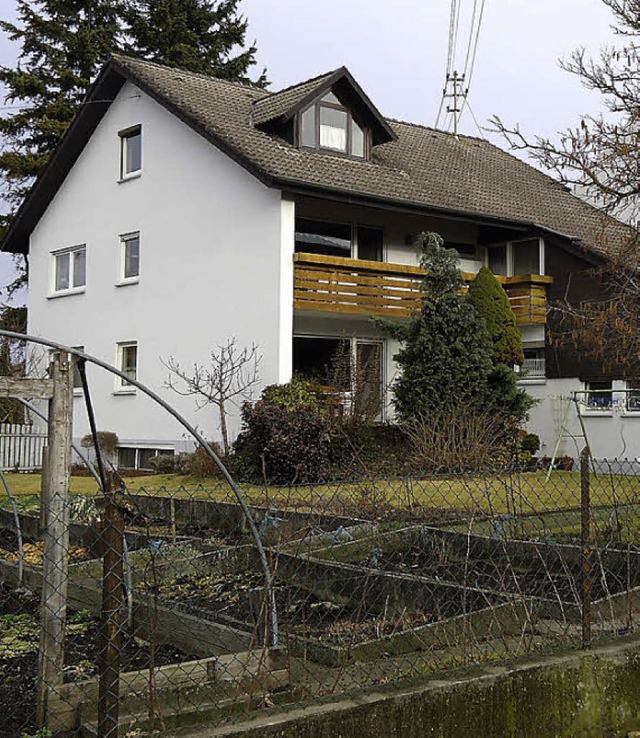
<point x="456" y="92"/>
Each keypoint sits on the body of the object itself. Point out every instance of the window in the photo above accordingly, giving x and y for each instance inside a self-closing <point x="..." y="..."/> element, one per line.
<point x="320" y="237"/>
<point x="351" y="369"/>
<point x="497" y="259"/>
<point x="633" y="395"/>
<point x="139" y="458"/>
<point x="130" y="151"/>
<point x="129" y="257"/>
<point x="316" y="358"/>
<point x="517" y="258"/>
<point x="70" y="269"/>
<point x="369" y="243"/>
<point x="329" y="125"/>
<point x="127" y="362"/>
<point x="339" y="239"/>
<point x="77" y="381"/>
<point x="526" y="256"/>
<point x="599" y="395"/>
<point x="534" y="366"/>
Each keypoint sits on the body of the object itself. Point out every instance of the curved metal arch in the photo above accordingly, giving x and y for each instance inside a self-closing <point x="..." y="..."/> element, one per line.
<point x="196" y="435"/>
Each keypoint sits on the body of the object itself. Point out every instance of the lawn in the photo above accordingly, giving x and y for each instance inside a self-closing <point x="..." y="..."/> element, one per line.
<point x="516" y="494"/>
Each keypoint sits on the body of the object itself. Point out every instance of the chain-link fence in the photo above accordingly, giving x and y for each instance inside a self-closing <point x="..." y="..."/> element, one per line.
<point x="164" y="616"/>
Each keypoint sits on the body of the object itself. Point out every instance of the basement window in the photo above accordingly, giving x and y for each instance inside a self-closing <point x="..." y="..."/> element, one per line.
<point x="130" y="457"/>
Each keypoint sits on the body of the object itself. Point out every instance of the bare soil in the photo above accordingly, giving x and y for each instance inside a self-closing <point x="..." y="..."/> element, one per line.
<point x="19" y="634"/>
<point x="528" y="581"/>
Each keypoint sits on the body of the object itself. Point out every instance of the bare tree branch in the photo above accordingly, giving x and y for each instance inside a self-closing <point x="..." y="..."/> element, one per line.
<point x="228" y="379"/>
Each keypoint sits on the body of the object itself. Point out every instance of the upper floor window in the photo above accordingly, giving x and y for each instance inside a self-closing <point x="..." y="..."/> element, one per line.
<point x="339" y="239"/>
<point x="328" y="125"/>
<point x="517" y="258"/>
<point x="129" y="258"/>
<point x="130" y="151"/>
<point x="70" y="269"/>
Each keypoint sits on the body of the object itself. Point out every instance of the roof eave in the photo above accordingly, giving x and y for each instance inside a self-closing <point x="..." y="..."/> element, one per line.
<point x="302" y="188"/>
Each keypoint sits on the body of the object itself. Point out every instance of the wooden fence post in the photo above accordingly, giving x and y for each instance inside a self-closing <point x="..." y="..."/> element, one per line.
<point x="56" y="542"/>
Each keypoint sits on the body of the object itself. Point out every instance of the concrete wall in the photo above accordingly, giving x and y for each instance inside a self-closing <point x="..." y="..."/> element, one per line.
<point x="591" y="694"/>
<point x="211" y="251"/>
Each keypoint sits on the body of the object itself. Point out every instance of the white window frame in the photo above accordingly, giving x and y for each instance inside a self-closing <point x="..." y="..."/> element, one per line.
<point x="70" y="290"/>
<point x="124" y="237"/>
<point x="123" y="137"/>
<point x="122" y="387"/>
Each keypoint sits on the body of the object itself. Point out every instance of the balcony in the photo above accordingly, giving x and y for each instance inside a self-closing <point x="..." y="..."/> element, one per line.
<point x="357" y="287"/>
<point x="534" y="368"/>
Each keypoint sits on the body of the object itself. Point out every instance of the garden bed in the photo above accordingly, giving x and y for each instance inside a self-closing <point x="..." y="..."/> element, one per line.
<point x="19" y="641"/>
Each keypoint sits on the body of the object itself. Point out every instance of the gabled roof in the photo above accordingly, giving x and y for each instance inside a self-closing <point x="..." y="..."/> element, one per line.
<point x="285" y="104"/>
<point x="423" y="169"/>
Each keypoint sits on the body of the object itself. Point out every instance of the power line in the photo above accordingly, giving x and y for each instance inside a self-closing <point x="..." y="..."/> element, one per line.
<point x="456" y="88"/>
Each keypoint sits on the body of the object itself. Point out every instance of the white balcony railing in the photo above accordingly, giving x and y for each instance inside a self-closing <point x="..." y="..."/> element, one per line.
<point x="534" y="368"/>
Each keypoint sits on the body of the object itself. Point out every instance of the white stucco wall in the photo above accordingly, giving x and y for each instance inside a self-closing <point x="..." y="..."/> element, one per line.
<point x="611" y="434"/>
<point x="211" y="264"/>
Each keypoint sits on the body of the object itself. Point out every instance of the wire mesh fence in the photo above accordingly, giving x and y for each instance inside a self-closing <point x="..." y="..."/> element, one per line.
<point x="165" y="617"/>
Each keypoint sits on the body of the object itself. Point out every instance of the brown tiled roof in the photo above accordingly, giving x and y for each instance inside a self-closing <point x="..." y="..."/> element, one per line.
<point x="278" y="103"/>
<point x="424" y="168"/>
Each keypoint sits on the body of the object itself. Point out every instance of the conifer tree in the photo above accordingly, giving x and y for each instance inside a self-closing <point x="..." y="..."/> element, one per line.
<point x="63" y="44"/>
<point x="492" y="304"/>
<point x="198" y="35"/>
<point x="446" y="356"/>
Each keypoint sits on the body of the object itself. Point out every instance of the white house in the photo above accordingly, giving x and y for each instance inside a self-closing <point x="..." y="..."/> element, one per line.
<point x="181" y="210"/>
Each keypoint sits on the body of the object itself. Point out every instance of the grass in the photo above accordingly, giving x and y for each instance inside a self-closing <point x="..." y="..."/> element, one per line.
<point x="515" y="494"/>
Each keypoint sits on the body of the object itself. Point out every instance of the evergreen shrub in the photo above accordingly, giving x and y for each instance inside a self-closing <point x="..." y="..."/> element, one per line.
<point x="492" y="305"/>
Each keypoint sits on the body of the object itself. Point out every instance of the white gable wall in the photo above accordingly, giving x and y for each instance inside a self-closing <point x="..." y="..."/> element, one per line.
<point x="210" y="264"/>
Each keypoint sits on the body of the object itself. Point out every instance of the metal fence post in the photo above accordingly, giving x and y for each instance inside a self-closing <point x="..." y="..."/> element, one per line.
<point x="111" y="616"/>
<point x="585" y="541"/>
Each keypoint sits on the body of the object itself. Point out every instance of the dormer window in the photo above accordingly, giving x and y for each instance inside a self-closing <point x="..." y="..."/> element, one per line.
<point x="327" y="125"/>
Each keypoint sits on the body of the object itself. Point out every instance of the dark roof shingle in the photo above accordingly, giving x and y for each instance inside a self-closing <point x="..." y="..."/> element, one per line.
<point x="423" y="168"/>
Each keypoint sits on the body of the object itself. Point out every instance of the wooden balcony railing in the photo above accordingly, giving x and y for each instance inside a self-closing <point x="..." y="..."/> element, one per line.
<point x="358" y="287"/>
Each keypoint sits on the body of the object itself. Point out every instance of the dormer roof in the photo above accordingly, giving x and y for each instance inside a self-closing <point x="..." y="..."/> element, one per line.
<point x="283" y="105"/>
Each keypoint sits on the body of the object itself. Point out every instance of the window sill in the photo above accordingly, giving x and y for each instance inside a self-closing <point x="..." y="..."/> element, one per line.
<point x="127" y="282"/>
<point x="533" y="380"/>
<point x="67" y="293"/>
<point x="125" y="391"/>
<point x="128" y="177"/>
<point x="77" y="392"/>
<point x="593" y="413"/>
<point x="630" y="414"/>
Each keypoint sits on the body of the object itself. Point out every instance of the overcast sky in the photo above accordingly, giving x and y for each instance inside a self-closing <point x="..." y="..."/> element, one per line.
<point x="398" y="49"/>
